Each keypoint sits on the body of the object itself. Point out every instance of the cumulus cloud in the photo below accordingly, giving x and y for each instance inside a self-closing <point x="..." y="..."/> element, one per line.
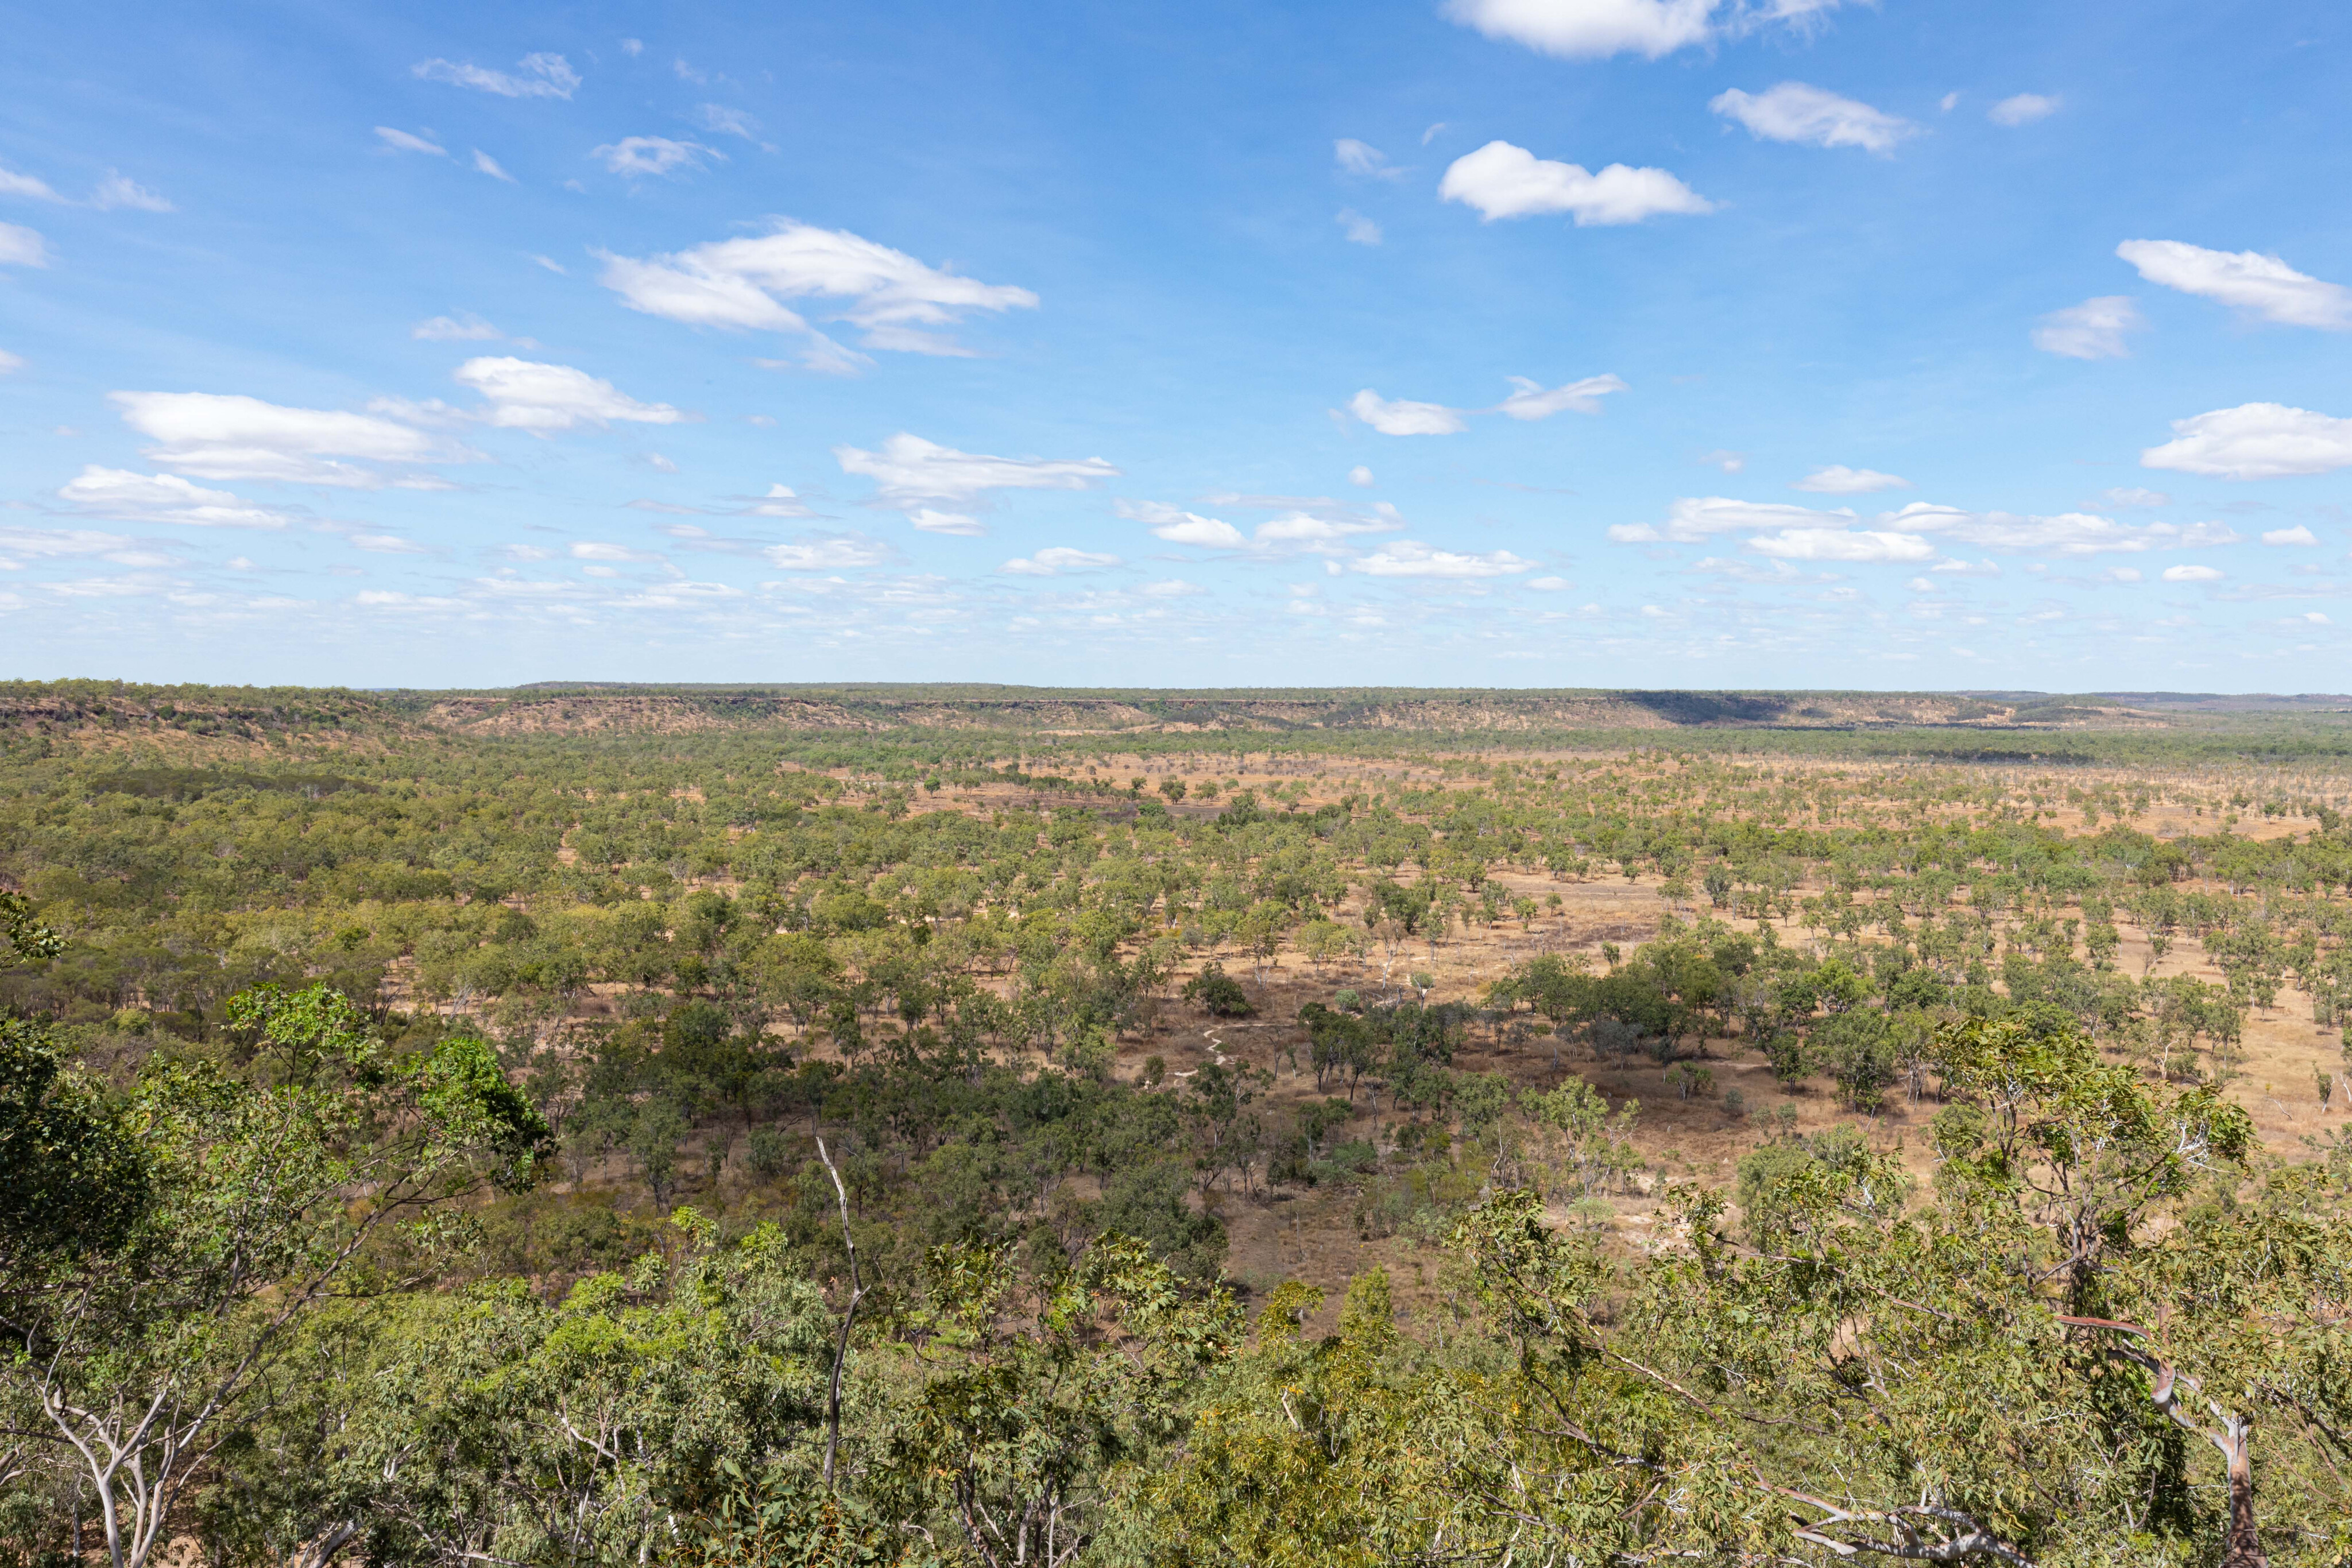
<point x="118" y="191"/>
<point x="2192" y="574"/>
<point x="1694" y="518"/>
<point x="463" y="327"/>
<point x="1361" y="476"/>
<point x="1794" y="111"/>
<point x="1550" y="584"/>
<point x="485" y="164"/>
<point x="2063" y="534"/>
<point x="162" y="498"/>
<point x="2133" y="495"/>
<point x="1055" y="559"/>
<point x="2247" y="281"/>
<point x="1182" y="528"/>
<point x="1410" y="558"/>
<point x="1359" y="229"/>
<point x="1837" y="479"/>
<point x="2091" y="330"/>
<point x="1399" y="417"/>
<point x="1594" y="29"/>
<point x="909" y="472"/>
<point x="2256" y="440"/>
<point x="403" y="142"/>
<point x="525" y="395"/>
<point x="2023" y="109"/>
<point x="1530" y="400"/>
<point x="1857" y="545"/>
<point x="540" y="75"/>
<point x="635" y="156"/>
<point x="227" y="436"/>
<point x="1320" y="526"/>
<point x="742" y="283"/>
<point x="1504" y="180"/>
<point x="21" y="246"/>
<point x="2293" y="536"/>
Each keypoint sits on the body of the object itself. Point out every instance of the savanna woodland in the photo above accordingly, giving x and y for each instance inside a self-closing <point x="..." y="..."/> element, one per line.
<point x="751" y="1126"/>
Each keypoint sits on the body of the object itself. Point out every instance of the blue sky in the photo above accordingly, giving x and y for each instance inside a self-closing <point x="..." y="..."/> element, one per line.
<point x="1500" y="342"/>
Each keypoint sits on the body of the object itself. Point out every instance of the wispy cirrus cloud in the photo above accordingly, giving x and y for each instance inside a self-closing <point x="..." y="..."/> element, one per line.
<point x="537" y="75"/>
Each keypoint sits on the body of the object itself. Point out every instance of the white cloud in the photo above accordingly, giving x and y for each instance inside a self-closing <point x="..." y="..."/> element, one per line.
<point x="651" y="155"/>
<point x="780" y="501"/>
<point x="403" y="142"/>
<point x="633" y="47"/>
<point x="118" y="190"/>
<point x="526" y="395"/>
<point x="1856" y="544"/>
<point x="829" y="553"/>
<point x="26" y="186"/>
<point x="1793" y="111"/>
<point x="908" y="471"/>
<point x="727" y="121"/>
<point x="2297" y="535"/>
<point x="2256" y="440"/>
<point x="741" y="284"/>
<point x="660" y="464"/>
<point x="488" y="165"/>
<point x="2245" y="280"/>
<point x="387" y="544"/>
<point x="1550" y="584"/>
<point x="2064" y="534"/>
<point x="1403" y="418"/>
<point x="2133" y="495"/>
<point x="1728" y="462"/>
<point x="542" y="75"/>
<point x="599" y="550"/>
<point x="1055" y="559"/>
<point x="2023" y="108"/>
<point x="1590" y="29"/>
<point x="1360" y="229"/>
<point x="21" y="546"/>
<point x="2091" y="330"/>
<point x="463" y="327"/>
<point x="1502" y="181"/>
<point x="954" y="524"/>
<point x="1171" y="588"/>
<point x="21" y="246"/>
<point x="1361" y="476"/>
<point x="1837" y="479"/>
<point x="1410" y="558"/>
<point x="1948" y="102"/>
<point x="227" y="436"/>
<point x="1529" y="400"/>
<point x="1182" y="528"/>
<point x="1296" y="530"/>
<point x="10" y="363"/>
<point x="162" y="498"/>
<point x="1361" y="158"/>
<point x="1694" y="518"/>
<point x="2192" y="574"/>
